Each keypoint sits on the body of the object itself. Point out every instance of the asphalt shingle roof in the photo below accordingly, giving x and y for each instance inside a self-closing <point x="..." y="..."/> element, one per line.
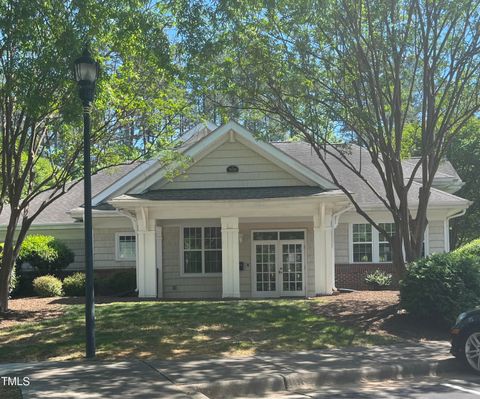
<point x="304" y="153"/>
<point x="301" y="151"/>
<point x="57" y="211"/>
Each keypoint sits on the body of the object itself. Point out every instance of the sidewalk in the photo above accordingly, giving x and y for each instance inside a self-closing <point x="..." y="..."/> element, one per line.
<point x="227" y="378"/>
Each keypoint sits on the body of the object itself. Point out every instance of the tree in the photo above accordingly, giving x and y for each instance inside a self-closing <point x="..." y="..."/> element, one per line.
<point x="364" y="70"/>
<point x="464" y="153"/>
<point x="40" y="113"/>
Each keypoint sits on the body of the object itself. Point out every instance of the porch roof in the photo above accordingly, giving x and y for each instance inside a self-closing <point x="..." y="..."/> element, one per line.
<point x="226" y="193"/>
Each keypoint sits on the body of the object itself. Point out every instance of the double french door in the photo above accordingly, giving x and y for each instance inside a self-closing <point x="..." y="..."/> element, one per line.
<point x="278" y="268"/>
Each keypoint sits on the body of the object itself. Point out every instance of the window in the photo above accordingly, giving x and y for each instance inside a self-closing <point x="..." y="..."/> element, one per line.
<point x="384" y="248"/>
<point x="275" y="235"/>
<point x="369" y="245"/>
<point x="126" y="246"/>
<point x="265" y="235"/>
<point x="362" y="243"/>
<point x="202" y="250"/>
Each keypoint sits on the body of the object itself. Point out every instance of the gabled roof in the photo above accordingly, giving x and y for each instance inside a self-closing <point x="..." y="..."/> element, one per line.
<point x="139" y="181"/>
<point x="120" y="179"/>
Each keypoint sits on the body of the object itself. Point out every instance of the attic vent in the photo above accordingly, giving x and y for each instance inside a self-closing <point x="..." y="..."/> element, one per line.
<point x="232" y="169"/>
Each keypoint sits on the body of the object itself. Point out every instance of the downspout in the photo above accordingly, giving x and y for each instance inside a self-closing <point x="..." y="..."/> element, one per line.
<point x="133" y="219"/>
<point x="335" y="219"/>
<point x="447" y="228"/>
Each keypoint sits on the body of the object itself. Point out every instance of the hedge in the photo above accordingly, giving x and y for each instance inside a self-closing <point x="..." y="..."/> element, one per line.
<point x="471" y="248"/>
<point x="441" y="286"/>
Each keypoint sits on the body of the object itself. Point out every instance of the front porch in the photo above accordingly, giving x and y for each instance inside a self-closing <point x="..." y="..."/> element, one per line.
<point x="256" y="248"/>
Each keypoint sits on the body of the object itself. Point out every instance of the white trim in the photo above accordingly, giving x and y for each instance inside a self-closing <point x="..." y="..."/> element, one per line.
<point x="123" y="181"/>
<point x="376" y="243"/>
<point x="426" y="240"/>
<point x="279" y="291"/>
<point x="204" y="146"/>
<point x="202" y="250"/>
<point x="118" y="234"/>
<point x="159" y="258"/>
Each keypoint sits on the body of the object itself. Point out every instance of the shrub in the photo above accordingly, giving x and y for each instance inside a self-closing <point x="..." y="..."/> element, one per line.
<point x="471" y="248"/>
<point x="74" y="285"/>
<point x="379" y="280"/>
<point x="46" y="254"/>
<point x="441" y="286"/>
<point x="120" y="283"/>
<point x="47" y="286"/>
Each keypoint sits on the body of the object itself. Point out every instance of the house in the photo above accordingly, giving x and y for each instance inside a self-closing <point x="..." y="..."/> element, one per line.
<point x="246" y="219"/>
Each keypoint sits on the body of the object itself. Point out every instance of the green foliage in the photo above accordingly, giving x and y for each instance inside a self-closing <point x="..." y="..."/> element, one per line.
<point x="464" y="153"/>
<point x="47" y="286"/>
<point x="137" y="111"/>
<point x="74" y="285"/>
<point x="379" y="280"/>
<point x="119" y="283"/>
<point x="471" y="248"/>
<point x="45" y="254"/>
<point x="441" y="286"/>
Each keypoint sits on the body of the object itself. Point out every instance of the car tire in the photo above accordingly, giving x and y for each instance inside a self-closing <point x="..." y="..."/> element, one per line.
<point x="470" y="353"/>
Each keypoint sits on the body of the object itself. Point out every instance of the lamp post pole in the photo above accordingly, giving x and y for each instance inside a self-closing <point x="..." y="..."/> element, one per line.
<point x="86" y="71"/>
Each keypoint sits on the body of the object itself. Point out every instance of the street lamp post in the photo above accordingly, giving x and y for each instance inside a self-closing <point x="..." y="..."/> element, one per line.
<point x="86" y="73"/>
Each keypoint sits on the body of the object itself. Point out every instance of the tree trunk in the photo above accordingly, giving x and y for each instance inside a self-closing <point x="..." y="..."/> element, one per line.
<point x="5" y="271"/>
<point x="397" y="257"/>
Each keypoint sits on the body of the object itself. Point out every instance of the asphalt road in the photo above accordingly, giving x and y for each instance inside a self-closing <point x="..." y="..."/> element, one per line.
<point x="461" y="386"/>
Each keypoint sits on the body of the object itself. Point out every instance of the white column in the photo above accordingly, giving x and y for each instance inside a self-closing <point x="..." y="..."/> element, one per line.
<point x="159" y="245"/>
<point x="146" y="256"/>
<point x="230" y="258"/>
<point x="323" y="251"/>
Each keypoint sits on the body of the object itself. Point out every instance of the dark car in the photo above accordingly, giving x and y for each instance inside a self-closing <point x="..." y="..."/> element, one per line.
<point x="466" y="338"/>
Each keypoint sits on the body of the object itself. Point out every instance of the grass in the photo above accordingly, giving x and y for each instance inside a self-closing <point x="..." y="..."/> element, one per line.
<point x="167" y="330"/>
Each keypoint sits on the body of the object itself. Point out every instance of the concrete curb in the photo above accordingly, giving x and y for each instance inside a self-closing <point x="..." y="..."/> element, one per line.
<point x="309" y="380"/>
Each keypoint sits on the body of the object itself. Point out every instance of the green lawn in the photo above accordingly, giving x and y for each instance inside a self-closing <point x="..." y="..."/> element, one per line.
<point x="178" y="329"/>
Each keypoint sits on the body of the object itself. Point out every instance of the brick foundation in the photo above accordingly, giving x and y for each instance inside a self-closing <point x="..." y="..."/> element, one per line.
<point x="352" y="275"/>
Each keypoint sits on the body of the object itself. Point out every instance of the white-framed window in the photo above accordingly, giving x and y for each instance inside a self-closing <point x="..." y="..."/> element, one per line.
<point x="368" y="245"/>
<point x="362" y="242"/>
<point x="125" y="246"/>
<point x="201" y="250"/>
<point x="384" y="247"/>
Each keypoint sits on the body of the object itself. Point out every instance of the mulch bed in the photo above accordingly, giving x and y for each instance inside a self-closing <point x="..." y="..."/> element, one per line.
<point x="32" y="309"/>
<point x="29" y="310"/>
<point x="378" y="312"/>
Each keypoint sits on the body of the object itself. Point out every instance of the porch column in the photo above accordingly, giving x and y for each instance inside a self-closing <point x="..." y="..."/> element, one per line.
<point x="323" y="251"/>
<point x="159" y="246"/>
<point x="146" y="256"/>
<point x="230" y="258"/>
